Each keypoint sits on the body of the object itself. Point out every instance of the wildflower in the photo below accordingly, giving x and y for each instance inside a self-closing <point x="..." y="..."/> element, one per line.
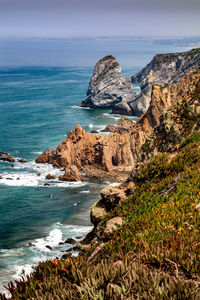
<point x="54" y="261"/>
<point x="64" y="269"/>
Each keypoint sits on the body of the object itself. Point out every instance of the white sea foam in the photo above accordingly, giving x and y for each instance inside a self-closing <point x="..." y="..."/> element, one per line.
<point x="21" y="261"/>
<point x="85" y="192"/>
<point x="31" y="174"/>
<point x="77" y="106"/>
<point x="52" y="240"/>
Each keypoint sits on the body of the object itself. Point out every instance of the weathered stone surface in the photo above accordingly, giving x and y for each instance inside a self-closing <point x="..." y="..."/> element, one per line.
<point x="111" y="226"/>
<point x="107" y="86"/>
<point x="97" y="213"/>
<point x="70" y="241"/>
<point x="122" y="108"/>
<point x="111" y="196"/>
<point x="71" y="174"/>
<point x="164" y="69"/>
<point x="96" y="252"/>
<point x="83" y="247"/>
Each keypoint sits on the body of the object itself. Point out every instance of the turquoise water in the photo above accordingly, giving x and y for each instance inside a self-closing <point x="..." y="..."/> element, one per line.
<point x="38" y="106"/>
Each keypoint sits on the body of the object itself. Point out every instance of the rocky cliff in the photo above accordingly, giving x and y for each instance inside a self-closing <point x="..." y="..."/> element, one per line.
<point x="164" y="69"/>
<point x="107" y="86"/>
<point x="116" y="154"/>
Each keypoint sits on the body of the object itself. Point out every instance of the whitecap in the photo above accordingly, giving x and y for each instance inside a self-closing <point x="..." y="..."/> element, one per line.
<point x="81" y="107"/>
<point x="52" y="240"/>
<point x="85" y="192"/>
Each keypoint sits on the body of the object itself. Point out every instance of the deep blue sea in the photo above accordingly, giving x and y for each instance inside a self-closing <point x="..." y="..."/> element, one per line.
<point x="38" y="107"/>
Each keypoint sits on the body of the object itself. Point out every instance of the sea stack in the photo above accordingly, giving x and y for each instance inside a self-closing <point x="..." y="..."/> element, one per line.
<point x="108" y="86"/>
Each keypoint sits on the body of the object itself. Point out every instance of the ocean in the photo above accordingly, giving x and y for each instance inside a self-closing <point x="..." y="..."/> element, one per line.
<point x="39" y="101"/>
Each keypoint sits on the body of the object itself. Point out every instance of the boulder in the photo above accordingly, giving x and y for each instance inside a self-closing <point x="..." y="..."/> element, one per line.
<point x="70" y="241"/>
<point x="31" y="245"/>
<point x="71" y="174"/>
<point x="122" y="108"/>
<point x="8" y="158"/>
<point x="66" y="255"/>
<point x="111" y="196"/>
<point x="111" y="226"/>
<point x="48" y="247"/>
<point x="96" y="252"/>
<point x="49" y="177"/>
<point x="84" y="247"/>
<point x="97" y="213"/>
<point x="94" y="131"/>
<point x="21" y="160"/>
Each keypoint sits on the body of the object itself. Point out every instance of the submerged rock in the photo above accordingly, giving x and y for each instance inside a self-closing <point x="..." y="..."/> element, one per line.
<point x="108" y="86"/>
<point x="8" y="158"/>
<point x="21" y="160"/>
<point x="48" y="247"/>
<point x="70" y="241"/>
<point x="49" y="177"/>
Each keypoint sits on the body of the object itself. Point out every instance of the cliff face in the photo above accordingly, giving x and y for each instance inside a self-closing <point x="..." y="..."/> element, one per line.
<point x="100" y="156"/>
<point x="164" y="69"/>
<point x="107" y="86"/>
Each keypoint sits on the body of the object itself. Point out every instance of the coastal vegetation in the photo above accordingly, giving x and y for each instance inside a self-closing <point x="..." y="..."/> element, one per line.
<point x="153" y="255"/>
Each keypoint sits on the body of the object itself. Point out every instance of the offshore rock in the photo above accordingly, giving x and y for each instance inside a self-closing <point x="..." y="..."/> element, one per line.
<point x="107" y="86"/>
<point x="8" y="158"/>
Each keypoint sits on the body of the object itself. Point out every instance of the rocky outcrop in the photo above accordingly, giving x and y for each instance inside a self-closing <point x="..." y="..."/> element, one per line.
<point x="8" y="158"/>
<point x="164" y="69"/>
<point x="100" y="156"/>
<point x="107" y="86"/>
<point x="71" y="174"/>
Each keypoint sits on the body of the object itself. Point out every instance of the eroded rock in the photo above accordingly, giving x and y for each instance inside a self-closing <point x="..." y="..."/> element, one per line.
<point x="108" y="86"/>
<point x="111" y="226"/>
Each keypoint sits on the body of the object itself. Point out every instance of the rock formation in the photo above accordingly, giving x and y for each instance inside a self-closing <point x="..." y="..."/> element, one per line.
<point x="107" y="86"/>
<point x="115" y="154"/>
<point x="164" y="69"/>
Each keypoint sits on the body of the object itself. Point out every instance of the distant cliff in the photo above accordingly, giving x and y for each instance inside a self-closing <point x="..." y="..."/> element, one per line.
<point x="108" y="88"/>
<point x="164" y="69"/>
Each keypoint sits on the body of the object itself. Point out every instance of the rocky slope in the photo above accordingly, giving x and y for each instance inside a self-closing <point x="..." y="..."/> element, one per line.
<point x="164" y="69"/>
<point x="107" y="86"/>
<point x="115" y="155"/>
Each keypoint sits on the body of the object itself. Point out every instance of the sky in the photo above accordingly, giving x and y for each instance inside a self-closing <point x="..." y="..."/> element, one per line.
<point x="92" y="18"/>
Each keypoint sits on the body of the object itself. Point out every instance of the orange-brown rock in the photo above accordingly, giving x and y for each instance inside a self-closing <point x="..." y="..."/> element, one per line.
<point x="118" y="152"/>
<point x="8" y="158"/>
<point x="49" y="177"/>
<point x="71" y="174"/>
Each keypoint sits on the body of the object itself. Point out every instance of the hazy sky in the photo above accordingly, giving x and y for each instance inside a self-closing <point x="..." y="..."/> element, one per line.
<point x="75" y="18"/>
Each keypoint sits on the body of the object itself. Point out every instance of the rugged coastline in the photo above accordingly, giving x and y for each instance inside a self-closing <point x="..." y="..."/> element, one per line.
<point x="141" y="226"/>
